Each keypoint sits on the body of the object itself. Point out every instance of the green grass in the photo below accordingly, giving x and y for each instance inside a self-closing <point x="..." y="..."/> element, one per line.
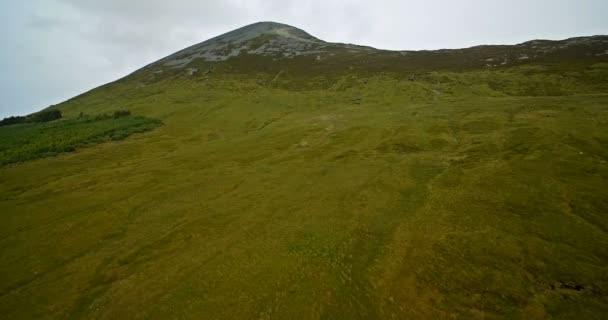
<point x="475" y="194"/>
<point x="24" y="142"/>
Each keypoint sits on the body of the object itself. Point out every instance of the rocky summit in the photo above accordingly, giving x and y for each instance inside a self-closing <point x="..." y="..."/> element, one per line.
<point x="263" y="38"/>
<point x="281" y="41"/>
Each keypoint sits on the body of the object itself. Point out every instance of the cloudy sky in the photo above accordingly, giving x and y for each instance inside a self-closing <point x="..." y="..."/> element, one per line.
<point x="55" y="49"/>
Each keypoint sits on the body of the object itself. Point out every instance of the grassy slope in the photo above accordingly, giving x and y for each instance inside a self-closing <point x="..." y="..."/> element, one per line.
<point x="455" y="195"/>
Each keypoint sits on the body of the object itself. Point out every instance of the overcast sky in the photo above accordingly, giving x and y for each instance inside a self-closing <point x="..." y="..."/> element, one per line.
<point x="53" y="50"/>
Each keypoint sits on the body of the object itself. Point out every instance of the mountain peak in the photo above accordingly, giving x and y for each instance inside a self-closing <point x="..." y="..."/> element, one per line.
<point x="269" y="27"/>
<point x="264" y="38"/>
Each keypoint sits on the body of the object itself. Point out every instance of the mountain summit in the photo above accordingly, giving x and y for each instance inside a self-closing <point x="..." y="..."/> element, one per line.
<point x="265" y="38"/>
<point x="277" y="41"/>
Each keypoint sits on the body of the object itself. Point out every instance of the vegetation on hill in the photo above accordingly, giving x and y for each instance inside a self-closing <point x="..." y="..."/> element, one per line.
<point x="38" y="117"/>
<point x="36" y="140"/>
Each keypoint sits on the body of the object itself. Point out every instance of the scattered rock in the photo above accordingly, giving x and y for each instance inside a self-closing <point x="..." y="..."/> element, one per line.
<point x="191" y="71"/>
<point x="568" y="286"/>
<point x="602" y="54"/>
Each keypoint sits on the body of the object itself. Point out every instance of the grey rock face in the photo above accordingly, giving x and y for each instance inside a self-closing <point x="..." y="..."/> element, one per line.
<point x="263" y="38"/>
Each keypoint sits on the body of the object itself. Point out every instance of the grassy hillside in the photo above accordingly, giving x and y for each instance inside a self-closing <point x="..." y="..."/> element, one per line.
<point x="274" y="191"/>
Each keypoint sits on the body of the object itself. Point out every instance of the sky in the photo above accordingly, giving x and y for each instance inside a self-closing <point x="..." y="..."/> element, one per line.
<point x="52" y="50"/>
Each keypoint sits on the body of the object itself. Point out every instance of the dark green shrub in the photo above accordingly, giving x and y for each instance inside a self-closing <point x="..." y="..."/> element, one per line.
<point x="36" y="140"/>
<point x="101" y="117"/>
<point x="121" y="113"/>
<point x="12" y="120"/>
<point x="44" y="116"/>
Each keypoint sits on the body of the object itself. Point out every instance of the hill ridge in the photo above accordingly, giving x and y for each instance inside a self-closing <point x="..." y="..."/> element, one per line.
<point x="255" y="38"/>
<point x="282" y="41"/>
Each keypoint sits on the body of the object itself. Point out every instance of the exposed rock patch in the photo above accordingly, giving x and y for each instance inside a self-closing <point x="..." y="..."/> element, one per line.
<point x="263" y="38"/>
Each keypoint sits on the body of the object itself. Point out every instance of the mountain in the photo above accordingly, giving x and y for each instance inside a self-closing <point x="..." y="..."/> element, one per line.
<point x="282" y="176"/>
<point x="264" y="38"/>
<point x="268" y="49"/>
<point x="280" y="41"/>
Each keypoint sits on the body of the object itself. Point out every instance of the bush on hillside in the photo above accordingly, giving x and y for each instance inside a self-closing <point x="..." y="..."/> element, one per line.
<point x="12" y="120"/>
<point x="121" y="113"/>
<point x="37" y="140"/>
<point x="42" y="116"/>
